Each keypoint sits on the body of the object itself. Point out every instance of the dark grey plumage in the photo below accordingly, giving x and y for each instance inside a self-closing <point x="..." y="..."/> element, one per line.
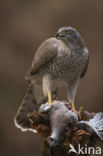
<point x="60" y="60"/>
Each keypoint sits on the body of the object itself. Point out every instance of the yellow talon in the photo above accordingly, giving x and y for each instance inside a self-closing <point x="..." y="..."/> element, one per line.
<point x="79" y="112"/>
<point x="49" y="99"/>
<point x="73" y="109"/>
<point x="73" y="106"/>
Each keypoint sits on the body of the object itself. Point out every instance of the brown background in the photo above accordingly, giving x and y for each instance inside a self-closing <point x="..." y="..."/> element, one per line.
<point x="23" y="26"/>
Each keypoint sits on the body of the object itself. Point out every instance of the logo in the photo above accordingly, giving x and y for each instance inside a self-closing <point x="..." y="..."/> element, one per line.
<point x="85" y="150"/>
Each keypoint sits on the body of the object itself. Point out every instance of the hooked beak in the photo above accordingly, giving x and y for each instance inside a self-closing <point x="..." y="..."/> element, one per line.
<point x="59" y="35"/>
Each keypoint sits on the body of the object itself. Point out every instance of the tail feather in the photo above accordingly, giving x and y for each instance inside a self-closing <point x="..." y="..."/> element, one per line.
<point x="29" y="104"/>
<point x="34" y="97"/>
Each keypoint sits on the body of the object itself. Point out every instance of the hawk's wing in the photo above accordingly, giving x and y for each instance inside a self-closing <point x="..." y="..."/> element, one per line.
<point x="46" y="51"/>
<point x="31" y="102"/>
<point x="85" y="68"/>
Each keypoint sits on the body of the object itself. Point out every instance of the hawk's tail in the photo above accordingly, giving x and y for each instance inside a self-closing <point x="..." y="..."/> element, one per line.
<point x="28" y="104"/>
<point x="34" y="97"/>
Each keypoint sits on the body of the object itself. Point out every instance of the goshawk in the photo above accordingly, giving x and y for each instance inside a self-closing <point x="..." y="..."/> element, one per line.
<point x="59" y="60"/>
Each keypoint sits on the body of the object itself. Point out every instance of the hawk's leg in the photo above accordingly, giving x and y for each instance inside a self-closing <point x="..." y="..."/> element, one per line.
<point x="73" y="106"/>
<point x="74" y="109"/>
<point x="72" y="88"/>
<point x="50" y="99"/>
<point x="79" y="112"/>
<point x="47" y="87"/>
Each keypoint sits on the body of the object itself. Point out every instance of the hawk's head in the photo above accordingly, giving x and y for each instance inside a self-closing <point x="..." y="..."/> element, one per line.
<point x="69" y="34"/>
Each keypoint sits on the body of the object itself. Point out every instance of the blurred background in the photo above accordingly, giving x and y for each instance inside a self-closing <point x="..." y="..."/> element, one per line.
<point x="24" y="25"/>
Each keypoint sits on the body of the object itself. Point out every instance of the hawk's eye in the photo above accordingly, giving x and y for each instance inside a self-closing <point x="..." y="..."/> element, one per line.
<point x="67" y="32"/>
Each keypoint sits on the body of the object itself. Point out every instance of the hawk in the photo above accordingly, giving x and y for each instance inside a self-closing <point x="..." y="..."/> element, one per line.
<point x="61" y="60"/>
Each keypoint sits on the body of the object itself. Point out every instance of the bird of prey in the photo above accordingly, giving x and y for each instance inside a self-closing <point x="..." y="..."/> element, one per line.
<point x="63" y="59"/>
<point x="59" y="60"/>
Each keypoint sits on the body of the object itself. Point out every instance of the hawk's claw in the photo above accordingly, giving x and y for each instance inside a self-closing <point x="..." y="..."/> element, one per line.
<point x="73" y="106"/>
<point x="79" y="113"/>
<point x="49" y="99"/>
